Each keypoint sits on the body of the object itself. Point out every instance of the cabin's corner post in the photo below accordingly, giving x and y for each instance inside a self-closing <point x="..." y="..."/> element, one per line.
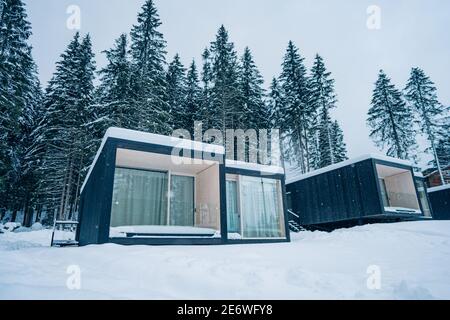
<point x="285" y="209"/>
<point x="378" y="195"/>
<point x="417" y="193"/>
<point x="80" y="217"/>
<point x="223" y="201"/>
<point x="107" y="181"/>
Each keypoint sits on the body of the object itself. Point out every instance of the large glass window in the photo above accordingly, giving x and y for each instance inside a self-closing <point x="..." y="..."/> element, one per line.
<point x="139" y="198"/>
<point x="181" y="201"/>
<point x="384" y="194"/>
<point x="233" y="216"/>
<point x="398" y="191"/>
<point x="423" y="197"/>
<point x="260" y="206"/>
<point x="159" y="195"/>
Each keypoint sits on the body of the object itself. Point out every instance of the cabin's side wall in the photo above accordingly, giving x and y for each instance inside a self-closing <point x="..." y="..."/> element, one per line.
<point x="440" y="204"/>
<point x="347" y="193"/>
<point x="95" y="205"/>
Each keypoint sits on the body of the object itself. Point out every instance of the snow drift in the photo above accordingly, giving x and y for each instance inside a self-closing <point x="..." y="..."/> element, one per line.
<point x="412" y="259"/>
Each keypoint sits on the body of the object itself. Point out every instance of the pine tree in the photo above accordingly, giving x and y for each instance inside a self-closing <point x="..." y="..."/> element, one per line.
<point x="176" y="93"/>
<point x="255" y="115"/>
<point x="225" y="94"/>
<point x="148" y="74"/>
<point x="193" y="100"/>
<point x="296" y="113"/>
<point x="69" y="133"/>
<point x="325" y="147"/>
<point x="114" y="93"/>
<point x="322" y="99"/>
<point x="28" y="156"/>
<point x="340" y="148"/>
<point x="276" y="105"/>
<point x="421" y="96"/>
<point x="443" y="151"/>
<point x="390" y="120"/>
<point x="19" y="100"/>
<point x="206" y="79"/>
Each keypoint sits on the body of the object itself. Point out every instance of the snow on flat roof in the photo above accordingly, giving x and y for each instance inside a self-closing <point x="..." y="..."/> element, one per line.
<point x="439" y="188"/>
<point x="138" y="136"/>
<point x="296" y="176"/>
<point x="418" y="174"/>
<point x="158" y="139"/>
<point x="254" y="167"/>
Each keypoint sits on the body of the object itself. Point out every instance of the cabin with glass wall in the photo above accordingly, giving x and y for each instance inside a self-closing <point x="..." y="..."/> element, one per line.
<point x="365" y="189"/>
<point x="144" y="188"/>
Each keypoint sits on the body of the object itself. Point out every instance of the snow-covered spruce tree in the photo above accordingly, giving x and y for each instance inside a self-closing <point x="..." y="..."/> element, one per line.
<point x="314" y="142"/>
<point x="148" y="73"/>
<point x="206" y="80"/>
<point x="296" y="115"/>
<point x="321" y="100"/>
<point x="19" y="97"/>
<point x="326" y="148"/>
<point x="275" y="109"/>
<point x="192" y="102"/>
<point x="176" y="93"/>
<point x="29" y="152"/>
<point x="255" y="115"/>
<point x="69" y="130"/>
<point x="225" y="95"/>
<point x="337" y="138"/>
<point x="420" y="93"/>
<point x="443" y="151"/>
<point x="390" y="120"/>
<point x="114" y="95"/>
<point x="276" y="105"/>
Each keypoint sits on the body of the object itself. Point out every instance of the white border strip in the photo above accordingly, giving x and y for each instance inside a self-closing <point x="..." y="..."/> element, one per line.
<point x="254" y="167"/>
<point x="439" y="188"/>
<point x="294" y="177"/>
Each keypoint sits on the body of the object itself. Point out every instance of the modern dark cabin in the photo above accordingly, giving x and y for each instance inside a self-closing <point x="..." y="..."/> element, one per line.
<point x="362" y="190"/>
<point x="144" y="188"/>
<point x="440" y="201"/>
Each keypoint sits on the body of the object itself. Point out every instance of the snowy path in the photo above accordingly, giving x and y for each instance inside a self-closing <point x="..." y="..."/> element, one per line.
<point x="413" y="258"/>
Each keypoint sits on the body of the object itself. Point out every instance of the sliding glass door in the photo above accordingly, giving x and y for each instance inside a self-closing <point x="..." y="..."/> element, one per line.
<point x="139" y="198"/>
<point x="260" y="207"/>
<point x="181" y="201"/>
<point x="233" y="216"/>
<point x="384" y="193"/>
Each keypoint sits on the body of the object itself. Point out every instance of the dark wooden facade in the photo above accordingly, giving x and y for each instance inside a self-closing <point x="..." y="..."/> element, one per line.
<point x="345" y="196"/>
<point x="440" y="202"/>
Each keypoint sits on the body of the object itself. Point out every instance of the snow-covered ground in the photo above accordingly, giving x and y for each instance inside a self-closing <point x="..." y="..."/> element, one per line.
<point x="412" y="258"/>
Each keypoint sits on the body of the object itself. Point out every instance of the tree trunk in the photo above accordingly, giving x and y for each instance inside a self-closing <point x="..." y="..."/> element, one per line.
<point x="14" y="214"/>
<point x="27" y="213"/>
<point x="68" y="191"/>
<point x="38" y="213"/>
<point x="59" y="215"/>
<point x="77" y="192"/>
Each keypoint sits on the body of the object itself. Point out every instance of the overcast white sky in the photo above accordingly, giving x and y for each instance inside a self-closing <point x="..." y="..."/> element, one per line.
<point x="413" y="33"/>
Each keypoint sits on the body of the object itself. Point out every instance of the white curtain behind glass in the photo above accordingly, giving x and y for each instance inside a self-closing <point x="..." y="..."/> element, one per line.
<point x="260" y="207"/>
<point x="181" y="201"/>
<point x="233" y="219"/>
<point x="139" y="198"/>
